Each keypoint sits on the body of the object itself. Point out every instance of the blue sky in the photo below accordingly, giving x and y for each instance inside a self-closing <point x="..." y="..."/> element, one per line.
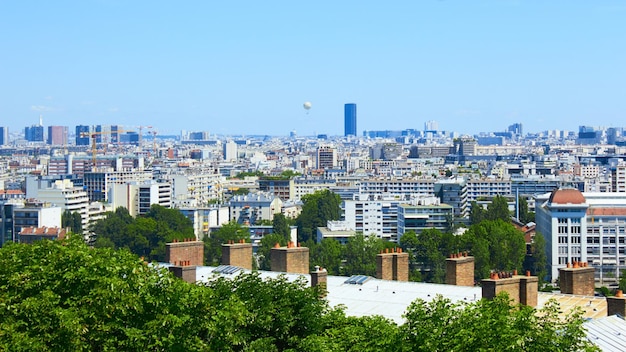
<point x="246" y="67"/>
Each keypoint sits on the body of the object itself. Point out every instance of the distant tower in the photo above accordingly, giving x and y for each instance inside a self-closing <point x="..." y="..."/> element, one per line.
<point x="350" y="120"/>
<point x="4" y="135"/>
<point x="57" y="135"/>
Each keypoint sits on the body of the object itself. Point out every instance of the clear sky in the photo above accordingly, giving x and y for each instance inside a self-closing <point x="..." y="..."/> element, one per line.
<point x="246" y="67"/>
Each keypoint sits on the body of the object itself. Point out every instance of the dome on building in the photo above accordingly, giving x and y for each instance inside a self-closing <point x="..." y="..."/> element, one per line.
<point x="567" y="196"/>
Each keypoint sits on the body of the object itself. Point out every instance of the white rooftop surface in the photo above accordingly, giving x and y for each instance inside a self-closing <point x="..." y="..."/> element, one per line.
<point x="608" y="333"/>
<point x="389" y="299"/>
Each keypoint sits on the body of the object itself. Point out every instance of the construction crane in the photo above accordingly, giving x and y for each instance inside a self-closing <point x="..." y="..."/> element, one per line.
<point x="94" y="137"/>
<point x="141" y="133"/>
<point x="154" y="143"/>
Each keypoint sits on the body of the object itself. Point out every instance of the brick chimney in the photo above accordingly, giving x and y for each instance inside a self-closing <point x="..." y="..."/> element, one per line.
<point x="184" y="270"/>
<point x="392" y="265"/>
<point x="290" y="259"/>
<point x="577" y="279"/>
<point x="460" y="270"/>
<point x="319" y="278"/>
<point x="521" y="289"/>
<point x="616" y="304"/>
<point x="237" y="254"/>
<point x="528" y="289"/>
<point x="384" y="265"/>
<point x="188" y="250"/>
<point x="400" y="265"/>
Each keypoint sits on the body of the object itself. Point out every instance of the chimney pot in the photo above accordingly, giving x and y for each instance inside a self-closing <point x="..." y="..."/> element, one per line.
<point x="568" y="265"/>
<point x="515" y="272"/>
<point x="527" y="272"/>
<point x="619" y="293"/>
<point x="277" y="245"/>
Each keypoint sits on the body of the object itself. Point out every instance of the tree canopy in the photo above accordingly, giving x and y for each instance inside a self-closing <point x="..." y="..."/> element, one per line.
<point x="317" y="209"/>
<point x="145" y="235"/>
<point x="65" y="296"/>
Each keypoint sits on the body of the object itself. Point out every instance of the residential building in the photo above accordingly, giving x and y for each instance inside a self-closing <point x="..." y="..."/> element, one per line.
<point x="422" y="214"/>
<point x="584" y="227"/>
<point x="251" y="208"/>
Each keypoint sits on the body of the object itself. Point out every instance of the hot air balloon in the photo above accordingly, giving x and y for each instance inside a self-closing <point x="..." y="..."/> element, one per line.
<point x="307" y="106"/>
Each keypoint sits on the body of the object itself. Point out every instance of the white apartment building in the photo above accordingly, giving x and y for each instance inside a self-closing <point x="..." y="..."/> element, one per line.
<point x="137" y="197"/>
<point x="373" y="215"/>
<point x="587" y="227"/>
<point x="64" y="194"/>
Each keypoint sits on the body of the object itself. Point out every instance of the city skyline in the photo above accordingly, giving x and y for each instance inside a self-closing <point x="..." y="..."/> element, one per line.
<point x="246" y="68"/>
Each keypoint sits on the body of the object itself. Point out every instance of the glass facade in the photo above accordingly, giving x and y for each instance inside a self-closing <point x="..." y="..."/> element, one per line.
<point x="350" y="120"/>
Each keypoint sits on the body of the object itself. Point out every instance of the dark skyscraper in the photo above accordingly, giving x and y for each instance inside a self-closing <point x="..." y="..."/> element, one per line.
<point x="350" y="120"/>
<point x="34" y="133"/>
<point x="4" y="135"/>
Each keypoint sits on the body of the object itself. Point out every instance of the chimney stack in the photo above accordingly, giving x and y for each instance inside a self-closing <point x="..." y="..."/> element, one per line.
<point x="319" y="278"/>
<point x="237" y="254"/>
<point x="184" y="270"/>
<point x="188" y="250"/>
<point x="460" y="270"/>
<point x="521" y="289"/>
<point x="577" y="279"/>
<point x="616" y="304"/>
<point x="392" y="265"/>
<point x="290" y="259"/>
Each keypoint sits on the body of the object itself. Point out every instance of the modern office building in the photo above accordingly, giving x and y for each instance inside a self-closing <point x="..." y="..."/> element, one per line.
<point x="33" y="133"/>
<point x="81" y="138"/>
<point x="57" y="135"/>
<point x="139" y="196"/>
<point x="350" y="119"/>
<point x="4" y="135"/>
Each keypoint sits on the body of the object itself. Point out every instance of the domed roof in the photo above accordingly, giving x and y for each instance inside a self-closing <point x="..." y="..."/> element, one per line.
<point x="567" y="196"/>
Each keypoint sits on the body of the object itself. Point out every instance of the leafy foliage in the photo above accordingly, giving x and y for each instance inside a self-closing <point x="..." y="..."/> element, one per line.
<point x="145" y="235"/>
<point x="73" y="220"/>
<point x="317" y="209"/>
<point x="213" y="244"/>
<point x="64" y="296"/>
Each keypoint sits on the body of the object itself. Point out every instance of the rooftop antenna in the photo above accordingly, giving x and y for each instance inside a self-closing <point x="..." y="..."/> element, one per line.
<point x="40" y="120"/>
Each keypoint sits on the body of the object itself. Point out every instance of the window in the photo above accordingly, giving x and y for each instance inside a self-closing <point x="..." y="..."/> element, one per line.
<point x="562" y="239"/>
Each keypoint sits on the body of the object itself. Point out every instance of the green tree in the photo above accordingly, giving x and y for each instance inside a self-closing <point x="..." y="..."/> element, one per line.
<point x="498" y="209"/>
<point x="525" y="216"/>
<point x="495" y="245"/>
<point x="477" y="213"/>
<point x="73" y="220"/>
<point x="263" y="253"/>
<point x="64" y="296"/>
<point x="327" y="254"/>
<point x="539" y="261"/>
<point x="144" y="235"/>
<point x="317" y="209"/>
<point x="490" y="325"/>
<point x="360" y="255"/>
<point x="231" y="231"/>
<point x="280" y="225"/>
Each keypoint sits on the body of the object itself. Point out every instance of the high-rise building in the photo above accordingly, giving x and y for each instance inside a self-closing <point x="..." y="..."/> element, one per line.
<point x="82" y="139"/>
<point x="516" y="129"/>
<point x="350" y="120"/>
<point x="326" y="157"/>
<point x="230" y="151"/>
<point x="34" y="133"/>
<point x="4" y="135"/>
<point x="57" y="135"/>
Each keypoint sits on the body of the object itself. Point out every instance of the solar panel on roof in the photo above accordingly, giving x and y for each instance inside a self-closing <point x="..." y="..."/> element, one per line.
<point x="227" y="269"/>
<point x="357" y="279"/>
